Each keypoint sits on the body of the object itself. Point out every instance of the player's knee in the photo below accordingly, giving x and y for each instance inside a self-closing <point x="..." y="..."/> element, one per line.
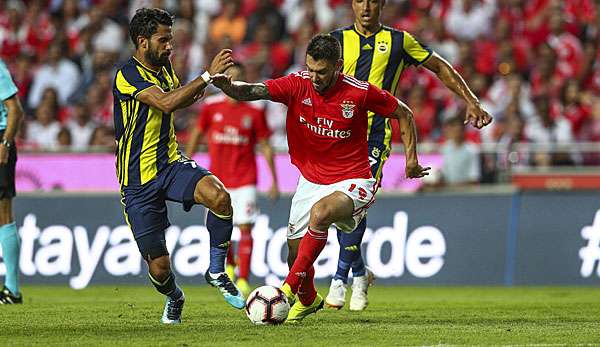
<point x="222" y="203"/>
<point x="160" y="268"/>
<point x="5" y="212"/>
<point x="320" y="216"/>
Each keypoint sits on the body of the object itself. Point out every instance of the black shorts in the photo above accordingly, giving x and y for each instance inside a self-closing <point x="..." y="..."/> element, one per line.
<point x="7" y="174"/>
<point x="146" y="209"/>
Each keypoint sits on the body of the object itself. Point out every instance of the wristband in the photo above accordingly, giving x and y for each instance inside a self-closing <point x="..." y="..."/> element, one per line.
<point x="206" y="77"/>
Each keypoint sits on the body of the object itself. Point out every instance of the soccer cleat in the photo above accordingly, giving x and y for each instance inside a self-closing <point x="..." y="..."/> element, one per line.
<point x="360" y="286"/>
<point x="230" y="271"/>
<point x="243" y="286"/>
<point x="230" y="292"/>
<point x="298" y="311"/>
<point x="336" y="298"/>
<point x="172" y="311"/>
<point x="8" y="298"/>
<point x="287" y="290"/>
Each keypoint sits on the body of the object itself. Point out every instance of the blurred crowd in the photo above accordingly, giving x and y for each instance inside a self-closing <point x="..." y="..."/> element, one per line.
<point x="534" y="64"/>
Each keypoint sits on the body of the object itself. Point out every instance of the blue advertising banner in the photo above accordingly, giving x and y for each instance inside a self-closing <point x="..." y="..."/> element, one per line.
<point x="472" y="239"/>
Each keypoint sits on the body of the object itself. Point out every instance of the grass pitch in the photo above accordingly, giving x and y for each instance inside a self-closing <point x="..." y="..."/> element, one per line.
<point x="400" y="316"/>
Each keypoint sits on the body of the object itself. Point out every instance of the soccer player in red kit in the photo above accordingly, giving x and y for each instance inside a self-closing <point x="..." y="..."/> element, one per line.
<point x="232" y="130"/>
<point x="327" y="127"/>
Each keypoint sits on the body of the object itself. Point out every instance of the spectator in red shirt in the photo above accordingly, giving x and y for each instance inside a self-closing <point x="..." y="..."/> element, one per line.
<point x="571" y="106"/>
<point x="273" y="56"/>
<point x="232" y="130"/>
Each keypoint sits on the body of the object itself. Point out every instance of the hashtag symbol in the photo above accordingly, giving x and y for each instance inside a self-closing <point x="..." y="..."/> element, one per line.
<point x="590" y="254"/>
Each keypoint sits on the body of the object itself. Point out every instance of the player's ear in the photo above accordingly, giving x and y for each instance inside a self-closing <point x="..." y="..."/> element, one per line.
<point x="339" y="64"/>
<point x="142" y="42"/>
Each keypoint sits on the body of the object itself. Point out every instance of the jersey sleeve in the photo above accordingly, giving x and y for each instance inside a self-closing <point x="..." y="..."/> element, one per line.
<point x="380" y="101"/>
<point x="262" y="129"/>
<point x="7" y="86"/>
<point x="281" y="89"/>
<point x="129" y="83"/>
<point x="416" y="52"/>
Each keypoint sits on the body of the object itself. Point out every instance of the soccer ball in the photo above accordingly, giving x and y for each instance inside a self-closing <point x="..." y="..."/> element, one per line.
<point x="267" y="305"/>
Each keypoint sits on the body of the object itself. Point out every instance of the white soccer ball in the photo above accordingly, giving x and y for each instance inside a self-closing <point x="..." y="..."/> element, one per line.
<point x="267" y="305"/>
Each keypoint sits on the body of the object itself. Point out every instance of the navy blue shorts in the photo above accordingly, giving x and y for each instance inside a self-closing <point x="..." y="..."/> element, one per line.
<point x="145" y="205"/>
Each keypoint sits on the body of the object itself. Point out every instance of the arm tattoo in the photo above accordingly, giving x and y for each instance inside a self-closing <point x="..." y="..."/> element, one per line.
<point x="247" y="91"/>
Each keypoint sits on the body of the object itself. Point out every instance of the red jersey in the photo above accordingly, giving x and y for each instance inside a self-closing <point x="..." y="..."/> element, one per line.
<point x="327" y="134"/>
<point x="232" y="130"/>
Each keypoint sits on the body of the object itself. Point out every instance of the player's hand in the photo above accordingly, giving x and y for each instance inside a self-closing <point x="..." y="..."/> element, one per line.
<point x="221" y="80"/>
<point x="273" y="193"/>
<point x="221" y="62"/>
<point x="3" y="154"/>
<point x="414" y="170"/>
<point x="477" y="116"/>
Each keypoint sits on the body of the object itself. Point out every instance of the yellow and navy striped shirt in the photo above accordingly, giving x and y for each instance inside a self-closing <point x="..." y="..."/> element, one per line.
<point x="145" y="136"/>
<point x="380" y="59"/>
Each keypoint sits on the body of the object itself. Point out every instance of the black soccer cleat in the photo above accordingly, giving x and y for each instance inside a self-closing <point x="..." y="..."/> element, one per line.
<point x="8" y="298"/>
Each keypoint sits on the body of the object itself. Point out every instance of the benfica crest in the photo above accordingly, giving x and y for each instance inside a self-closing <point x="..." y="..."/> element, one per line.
<point x="347" y="109"/>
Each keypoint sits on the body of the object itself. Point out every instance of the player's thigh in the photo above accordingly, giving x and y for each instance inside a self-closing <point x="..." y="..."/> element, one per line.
<point x="180" y="182"/>
<point x="334" y="207"/>
<point x="146" y="214"/>
<point x="243" y="201"/>
<point x="307" y="194"/>
<point x="7" y="186"/>
<point x="362" y="194"/>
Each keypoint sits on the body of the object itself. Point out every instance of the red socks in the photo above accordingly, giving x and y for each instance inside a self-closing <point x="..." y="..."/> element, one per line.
<point x="310" y="247"/>
<point x="230" y="258"/>
<point x="245" y="251"/>
<point x="307" y="291"/>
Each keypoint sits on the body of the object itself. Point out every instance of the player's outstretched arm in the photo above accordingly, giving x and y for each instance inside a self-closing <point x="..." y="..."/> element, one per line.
<point x="476" y="115"/>
<point x="182" y="97"/>
<point x="408" y="130"/>
<point x="241" y="90"/>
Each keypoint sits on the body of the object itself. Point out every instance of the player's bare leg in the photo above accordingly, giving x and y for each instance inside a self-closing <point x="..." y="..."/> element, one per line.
<point x="334" y="207"/>
<point x="211" y="193"/>
<point x="9" y="242"/>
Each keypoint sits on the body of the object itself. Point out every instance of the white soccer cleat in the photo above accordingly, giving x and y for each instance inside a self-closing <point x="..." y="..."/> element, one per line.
<point x="360" y="285"/>
<point x="172" y="311"/>
<point x="336" y="298"/>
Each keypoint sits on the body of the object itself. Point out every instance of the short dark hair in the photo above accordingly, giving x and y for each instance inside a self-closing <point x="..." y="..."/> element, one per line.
<point x="324" y="46"/>
<point x="145" y="22"/>
<point x="238" y="65"/>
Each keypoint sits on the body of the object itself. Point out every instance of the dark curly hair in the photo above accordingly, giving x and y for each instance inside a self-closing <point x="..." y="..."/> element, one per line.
<point x="324" y="46"/>
<point x="145" y="22"/>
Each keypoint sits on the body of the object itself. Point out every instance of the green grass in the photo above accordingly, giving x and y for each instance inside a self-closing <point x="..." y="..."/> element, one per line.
<point x="125" y="315"/>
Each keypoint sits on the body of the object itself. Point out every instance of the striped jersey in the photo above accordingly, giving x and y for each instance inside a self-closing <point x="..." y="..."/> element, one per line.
<point x="379" y="59"/>
<point x="145" y="135"/>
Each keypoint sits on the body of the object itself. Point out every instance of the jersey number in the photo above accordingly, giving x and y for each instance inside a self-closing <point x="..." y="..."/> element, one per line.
<point x="362" y="193"/>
